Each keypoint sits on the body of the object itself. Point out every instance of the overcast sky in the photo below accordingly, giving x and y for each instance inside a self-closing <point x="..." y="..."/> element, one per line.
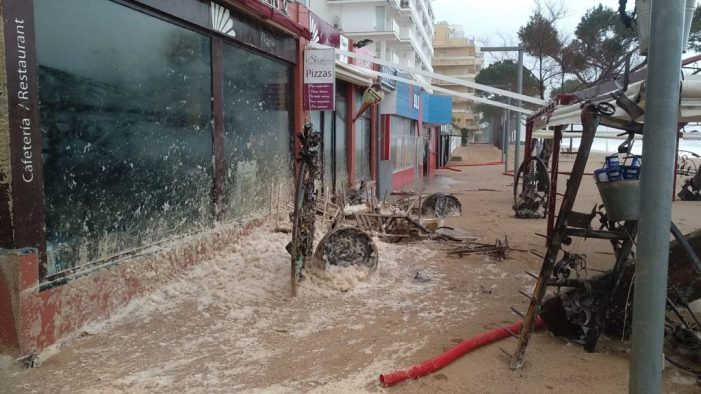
<point x="485" y="20"/>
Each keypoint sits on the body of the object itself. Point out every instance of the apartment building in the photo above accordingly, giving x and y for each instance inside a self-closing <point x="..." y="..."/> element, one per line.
<point x="401" y="30"/>
<point x="457" y="56"/>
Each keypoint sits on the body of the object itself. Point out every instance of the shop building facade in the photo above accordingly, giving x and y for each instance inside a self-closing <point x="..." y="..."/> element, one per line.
<point x="137" y="137"/>
<point x="347" y="144"/>
<point x="411" y="120"/>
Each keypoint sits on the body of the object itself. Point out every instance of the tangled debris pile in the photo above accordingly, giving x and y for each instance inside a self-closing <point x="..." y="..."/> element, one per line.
<point x="345" y="247"/>
<point x="571" y="313"/>
<point x="415" y="217"/>
<point x="499" y="250"/>
<point x="441" y="205"/>
<point x="691" y="188"/>
<point x="348" y="240"/>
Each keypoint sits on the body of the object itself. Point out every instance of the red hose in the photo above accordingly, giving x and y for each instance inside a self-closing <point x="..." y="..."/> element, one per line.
<point x="454" y="353"/>
<point x="491" y="163"/>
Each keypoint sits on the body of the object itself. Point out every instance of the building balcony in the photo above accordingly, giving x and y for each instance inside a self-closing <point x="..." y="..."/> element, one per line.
<point x="415" y="17"/>
<point x="457" y="61"/>
<point x="463" y="114"/>
<point x="465" y="89"/>
<point x="468" y="58"/>
<point x="403" y="43"/>
<point x="459" y="70"/>
<point x="460" y="42"/>
<point x="469" y="78"/>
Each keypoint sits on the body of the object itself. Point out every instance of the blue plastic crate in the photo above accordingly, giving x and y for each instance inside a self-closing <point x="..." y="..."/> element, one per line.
<point x="600" y="175"/>
<point x="613" y="163"/>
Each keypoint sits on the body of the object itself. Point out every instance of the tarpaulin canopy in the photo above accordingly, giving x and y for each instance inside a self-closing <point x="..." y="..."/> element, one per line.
<point x="689" y="109"/>
<point x="353" y="74"/>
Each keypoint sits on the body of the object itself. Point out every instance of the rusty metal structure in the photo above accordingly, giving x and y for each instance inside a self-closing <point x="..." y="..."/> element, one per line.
<point x="499" y="250"/>
<point x="561" y="268"/>
<point x="309" y="170"/>
<point x="688" y="165"/>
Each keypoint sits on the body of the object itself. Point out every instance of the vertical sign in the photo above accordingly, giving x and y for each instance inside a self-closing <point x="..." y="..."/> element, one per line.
<point x="25" y="144"/>
<point x="319" y="79"/>
<point x="345" y="45"/>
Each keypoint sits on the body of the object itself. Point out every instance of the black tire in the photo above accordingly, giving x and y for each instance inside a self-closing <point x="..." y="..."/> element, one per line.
<point x="532" y="173"/>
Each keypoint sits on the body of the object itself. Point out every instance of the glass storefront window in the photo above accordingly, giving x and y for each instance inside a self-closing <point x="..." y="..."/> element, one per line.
<point x="328" y="152"/>
<point x="257" y="135"/>
<point x="341" y="144"/>
<point x="403" y="143"/>
<point x="126" y="129"/>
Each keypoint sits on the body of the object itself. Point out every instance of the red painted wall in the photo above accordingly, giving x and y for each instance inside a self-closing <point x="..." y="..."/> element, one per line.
<point x="385" y="136"/>
<point x="8" y="329"/>
<point x="38" y="319"/>
<point x="402" y="179"/>
<point x="433" y="154"/>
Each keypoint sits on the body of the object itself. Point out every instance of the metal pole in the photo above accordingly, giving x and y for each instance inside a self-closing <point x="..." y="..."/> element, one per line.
<point x="517" y="143"/>
<point x="503" y="138"/>
<point x="493" y="138"/>
<point x="664" y="69"/>
<point x="507" y="136"/>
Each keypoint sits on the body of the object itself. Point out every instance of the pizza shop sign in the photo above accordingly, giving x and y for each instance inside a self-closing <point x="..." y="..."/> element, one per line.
<point x="278" y="5"/>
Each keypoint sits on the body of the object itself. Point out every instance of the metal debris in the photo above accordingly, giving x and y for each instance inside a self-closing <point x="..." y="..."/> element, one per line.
<point x="358" y="195"/>
<point x="691" y="189"/>
<point x="441" y="205"/>
<point x="303" y="216"/>
<point x="344" y="247"/>
<point x="531" y="189"/>
<point x="30" y="360"/>
<point x="499" y="249"/>
<point x="401" y="220"/>
<point x="421" y="277"/>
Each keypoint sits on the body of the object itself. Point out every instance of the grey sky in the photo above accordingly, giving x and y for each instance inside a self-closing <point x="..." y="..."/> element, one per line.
<point x="486" y="20"/>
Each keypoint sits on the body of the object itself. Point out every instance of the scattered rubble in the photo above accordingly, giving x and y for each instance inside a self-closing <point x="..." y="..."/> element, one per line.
<point x="402" y="219"/>
<point x="421" y="277"/>
<point x="571" y="312"/>
<point x="691" y="189"/>
<point x="499" y="250"/>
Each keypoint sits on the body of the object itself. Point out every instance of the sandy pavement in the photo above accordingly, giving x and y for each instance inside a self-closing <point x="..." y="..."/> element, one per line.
<point x="229" y="325"/>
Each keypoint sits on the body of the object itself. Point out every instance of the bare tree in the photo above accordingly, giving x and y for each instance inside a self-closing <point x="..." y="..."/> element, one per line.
<point x="542" y="40"/>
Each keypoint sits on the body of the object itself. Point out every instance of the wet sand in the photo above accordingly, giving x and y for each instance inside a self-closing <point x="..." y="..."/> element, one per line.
<point x="229" y="325"/>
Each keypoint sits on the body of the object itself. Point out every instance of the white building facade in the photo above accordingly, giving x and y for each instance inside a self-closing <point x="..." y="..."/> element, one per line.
<point x="401" y="30"/>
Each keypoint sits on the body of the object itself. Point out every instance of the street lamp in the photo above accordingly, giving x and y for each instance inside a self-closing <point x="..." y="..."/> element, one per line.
<point x="519" y="83"/>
